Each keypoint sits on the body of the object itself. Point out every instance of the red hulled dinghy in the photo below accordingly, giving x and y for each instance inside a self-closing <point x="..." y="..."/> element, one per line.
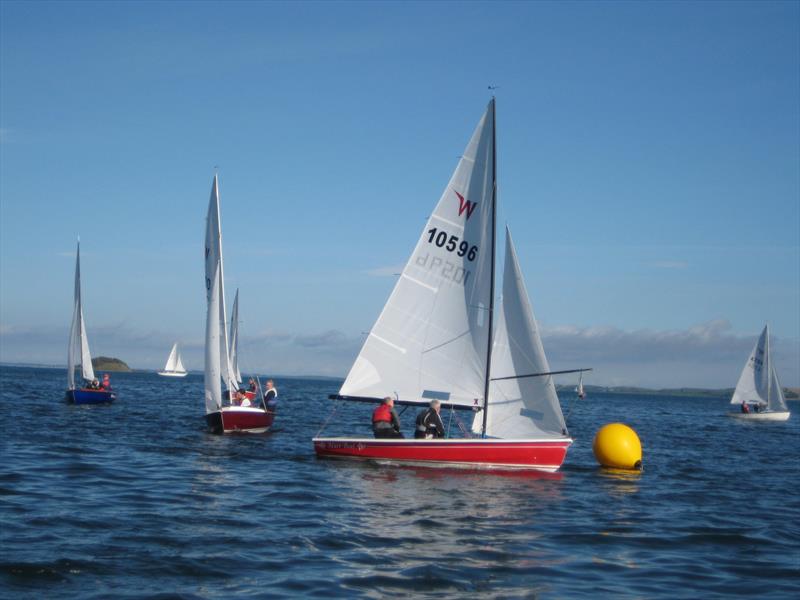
<point x="439" y="338"/>
<point x="229" y="418"/>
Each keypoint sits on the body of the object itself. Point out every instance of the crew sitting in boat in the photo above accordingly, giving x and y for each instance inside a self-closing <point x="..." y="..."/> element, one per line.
<point x="94" y="385"/>
<point x="385" y="423"/>
<point x="251" y="385"/>
<point x="240" y="398"/>
<point x="745" y="408"/>
<point x="429" y="423"/>
<point x="106" y="385"/>
<point x="270" y="396"/>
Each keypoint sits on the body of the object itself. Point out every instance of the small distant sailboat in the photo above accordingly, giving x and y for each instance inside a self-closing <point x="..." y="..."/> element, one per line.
<point x="218" y="366"/>
<point x="435" y="340"/>
<point x="579" y="388"/>
<point x="79" y="351"/>
<point x="758" y="395"/>
<point x="174" y="366"/>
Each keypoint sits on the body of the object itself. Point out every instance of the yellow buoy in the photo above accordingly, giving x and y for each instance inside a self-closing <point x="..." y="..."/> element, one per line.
<point x="617" y="445"/>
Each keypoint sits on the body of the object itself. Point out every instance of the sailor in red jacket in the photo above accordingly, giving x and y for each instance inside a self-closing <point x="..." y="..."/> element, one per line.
<point x="385" y="423"/>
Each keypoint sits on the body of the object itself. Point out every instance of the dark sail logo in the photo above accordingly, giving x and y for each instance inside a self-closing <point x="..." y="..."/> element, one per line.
<point x="465" y="205"/>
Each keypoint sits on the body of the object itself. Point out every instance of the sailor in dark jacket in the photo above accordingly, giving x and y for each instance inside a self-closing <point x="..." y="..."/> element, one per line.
<point x="429" y="424"/>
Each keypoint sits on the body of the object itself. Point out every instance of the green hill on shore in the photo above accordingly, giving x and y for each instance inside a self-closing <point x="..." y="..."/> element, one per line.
<point x="106" y="363"/>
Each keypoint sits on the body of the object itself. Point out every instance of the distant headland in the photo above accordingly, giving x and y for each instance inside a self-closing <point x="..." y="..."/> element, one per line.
<point x="107" y="363"/>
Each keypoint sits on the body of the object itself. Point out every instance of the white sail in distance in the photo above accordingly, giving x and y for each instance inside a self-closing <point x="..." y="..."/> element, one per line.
<point x="233" y="352"/>
<point x="174" y="363"/>
<point x="431" y="339"/>
<point x="754" y="382"/>
<point x="214" y="263"/>
<point x="526" y="407"/>
<point x="78" y="341"/>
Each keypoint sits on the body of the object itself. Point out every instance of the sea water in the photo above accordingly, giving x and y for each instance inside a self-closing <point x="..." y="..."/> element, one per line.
<point x="137" y="500"/>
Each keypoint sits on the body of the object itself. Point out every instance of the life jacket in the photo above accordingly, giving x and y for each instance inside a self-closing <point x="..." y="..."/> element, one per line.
<point x="382" y="413"/>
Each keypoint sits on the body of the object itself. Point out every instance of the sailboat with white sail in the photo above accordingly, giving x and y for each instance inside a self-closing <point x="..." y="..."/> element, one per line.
<point x="78" y="353"/>
<point x="174" y="366"/>
<point x="758" y="395"/>
<point x="221" y="415"/>
<point x="435" y="340"/>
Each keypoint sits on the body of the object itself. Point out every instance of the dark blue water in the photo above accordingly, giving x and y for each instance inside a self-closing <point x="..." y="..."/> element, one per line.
<point x="136" y="500"/>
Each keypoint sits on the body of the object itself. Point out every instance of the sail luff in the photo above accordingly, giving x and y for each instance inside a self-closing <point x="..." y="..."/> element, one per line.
<point x="493" y="230"/>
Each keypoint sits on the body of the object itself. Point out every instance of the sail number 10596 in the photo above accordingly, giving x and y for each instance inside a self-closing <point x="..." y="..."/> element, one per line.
<point x="452" y="243"/>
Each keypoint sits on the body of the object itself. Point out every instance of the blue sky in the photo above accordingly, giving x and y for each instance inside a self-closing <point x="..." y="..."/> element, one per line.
<point x="649" y="168"/>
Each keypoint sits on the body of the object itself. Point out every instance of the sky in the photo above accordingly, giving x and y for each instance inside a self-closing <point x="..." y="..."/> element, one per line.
<point x="648" y="166"/>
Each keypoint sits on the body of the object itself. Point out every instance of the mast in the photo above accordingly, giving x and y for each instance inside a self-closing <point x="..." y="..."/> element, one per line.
<point x="491" y="287"/>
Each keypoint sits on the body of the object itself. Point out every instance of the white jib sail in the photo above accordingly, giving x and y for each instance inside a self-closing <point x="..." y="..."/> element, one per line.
<point x="430" y="340"/>
<point x="777" y="401"/>
<point x="234" y="339"/>
<point x="753" y="384"/>
<point x="78" y="341"/>
<point x="213" y="259"/>
<point x="179" y="368"/>
<point x="213" y="392"/>
<point x="527" y="407"/>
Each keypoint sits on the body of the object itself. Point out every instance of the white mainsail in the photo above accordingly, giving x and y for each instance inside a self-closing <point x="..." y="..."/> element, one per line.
<point x="234" y="339"/>
<point x="519" y="407"/>
<point x="78" y="341"/>
<point x="430" y="340"/>
<point x="213" y="263"/>
<point x="754" y="382"/>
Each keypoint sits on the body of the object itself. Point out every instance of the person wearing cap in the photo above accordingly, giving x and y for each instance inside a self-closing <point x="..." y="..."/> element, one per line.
<point x="385" y="422"/>
<point x="429" y="424"/>
<point x="106" y="385"/>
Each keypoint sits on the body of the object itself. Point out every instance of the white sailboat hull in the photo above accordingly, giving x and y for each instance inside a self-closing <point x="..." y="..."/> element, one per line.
<point x="762" y="416"/>
<point x="173" y="373"/>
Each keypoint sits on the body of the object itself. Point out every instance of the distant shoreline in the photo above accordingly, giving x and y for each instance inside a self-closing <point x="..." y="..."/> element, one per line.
<point x="790" y="393"/>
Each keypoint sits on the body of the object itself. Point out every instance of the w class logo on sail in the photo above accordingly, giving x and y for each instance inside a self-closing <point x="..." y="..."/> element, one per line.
<point x="465" y="205"/>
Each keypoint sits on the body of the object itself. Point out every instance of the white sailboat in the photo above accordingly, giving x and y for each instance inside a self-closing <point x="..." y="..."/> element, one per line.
<point x="579" y="389"/>
<point x="222" y="417"/>
<point x="758" y="395"/>
<point x="174" y="366"/>
<point x="79" y="351"/>
<point x="435" y="340"/>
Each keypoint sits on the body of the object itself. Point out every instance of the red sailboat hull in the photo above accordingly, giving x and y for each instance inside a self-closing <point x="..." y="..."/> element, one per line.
<point x="493" y="454"/>
<point x="241" y="419"/>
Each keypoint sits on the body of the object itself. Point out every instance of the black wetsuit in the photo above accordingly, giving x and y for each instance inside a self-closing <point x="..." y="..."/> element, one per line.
<point x="429" y="425"/>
